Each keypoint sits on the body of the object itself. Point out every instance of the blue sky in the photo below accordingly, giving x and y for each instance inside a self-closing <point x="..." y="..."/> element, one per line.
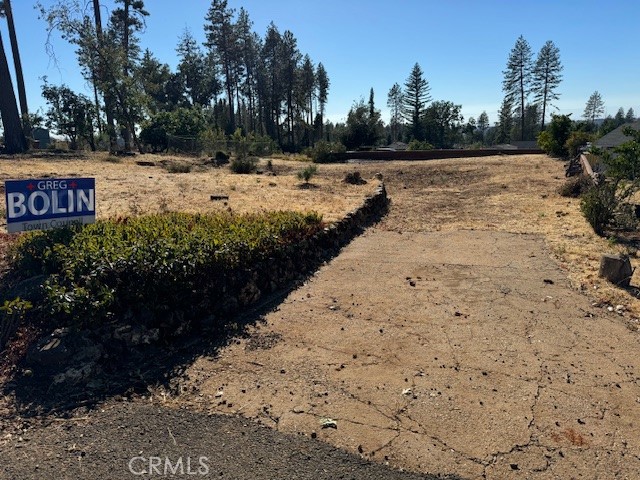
<point x="461" y="45"/>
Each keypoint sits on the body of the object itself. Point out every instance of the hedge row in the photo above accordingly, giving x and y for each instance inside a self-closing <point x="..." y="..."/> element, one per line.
<point x="154" y="269"/>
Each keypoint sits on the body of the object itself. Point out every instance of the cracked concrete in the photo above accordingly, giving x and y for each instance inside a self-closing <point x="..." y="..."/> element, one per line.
<point x="461" y="352"/>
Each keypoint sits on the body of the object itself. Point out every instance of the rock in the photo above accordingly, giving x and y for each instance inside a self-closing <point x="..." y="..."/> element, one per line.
<point x="49" y="351"/>
<point x="249" y="294"/>
<point x="616" y="269"/>
<point x="74" y="375"/>
<point x="138" y="335"/>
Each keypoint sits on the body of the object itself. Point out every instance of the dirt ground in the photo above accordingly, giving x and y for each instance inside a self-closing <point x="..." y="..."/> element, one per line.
<point x="452" y="338"/>
<point x="466" y="334"/>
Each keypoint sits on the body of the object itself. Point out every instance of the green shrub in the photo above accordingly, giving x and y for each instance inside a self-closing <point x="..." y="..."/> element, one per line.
<point x="576" y="186"/>
<point x="327" y="152"/>
<point x="577" y="140"/>
<point x="306" y="173"/>
<point x="598" y="205"/>
<point x="553" y="139"/>
<point x="244" y="164"/>
<point x="11" y="314"/>
<point x="153" y="266"/>
<point x="418" y="145"/>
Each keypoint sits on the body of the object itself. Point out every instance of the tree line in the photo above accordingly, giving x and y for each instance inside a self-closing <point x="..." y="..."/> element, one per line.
<point x="240" y="84"/>
<point x="530" y="87"/>
<point x="235" y="80"/>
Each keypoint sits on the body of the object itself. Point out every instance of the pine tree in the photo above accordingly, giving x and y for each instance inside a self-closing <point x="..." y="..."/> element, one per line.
<point x="505" y="122"/>
<point x="223" y="43"/>
<point x="594" y="107"/>
<point x="619" y="117"/>
<point x="197" y="72"/>
<point x="483" y="121"/>
<point x="394" y="102"/>
<point x="323" y="83"/>
<point x="630" y="116"/>
<point x="546" y="77"/>
<point x="414" y="102"/>
<point x="517" y="79"/>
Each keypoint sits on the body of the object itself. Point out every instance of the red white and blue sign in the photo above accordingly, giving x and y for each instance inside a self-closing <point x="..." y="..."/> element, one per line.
<point x="46" y="203"/>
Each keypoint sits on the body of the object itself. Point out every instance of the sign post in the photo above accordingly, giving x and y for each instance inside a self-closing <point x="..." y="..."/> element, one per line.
<point x="47" y="203"/>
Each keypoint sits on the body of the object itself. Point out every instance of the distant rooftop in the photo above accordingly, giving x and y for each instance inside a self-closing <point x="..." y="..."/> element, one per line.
<point x="616" y="137"/>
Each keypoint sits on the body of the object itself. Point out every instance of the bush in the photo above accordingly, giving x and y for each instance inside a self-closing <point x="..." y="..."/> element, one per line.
<point x="11" y="314"/>
<point x="577" y="140"/>
<point x="180" y="122"/>
<point x="327" y="152"/>
<point x="553" y="139"/>
<point x="418" y="145"/>
<point x="152" y="267"/>
<point x="576" y="186"/>
<point x="306" y="173"/>
<point x="244" y="165"/>
<point x="221" y="157"/>
<point x="598" y="206"/>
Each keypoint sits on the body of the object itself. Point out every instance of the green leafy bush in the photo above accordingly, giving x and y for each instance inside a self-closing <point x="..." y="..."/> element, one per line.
<point x="327" y="152"/>
<point x="418" y="145"/>
<point x="553" y="139"/>
<point x="576" y="140"/>
<point x="598" y="206"/>
<point x="154" y="266"/>
<point x="244" y="164"/>
<point x="11" y="314"/>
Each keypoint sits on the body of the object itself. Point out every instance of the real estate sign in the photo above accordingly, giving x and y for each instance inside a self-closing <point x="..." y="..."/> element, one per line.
<point x="46" y="203"/>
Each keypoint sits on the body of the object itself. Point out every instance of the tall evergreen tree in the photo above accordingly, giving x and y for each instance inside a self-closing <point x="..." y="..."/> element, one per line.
<point x="394" y="103"/>
<point x="154" y="78"/>
<point x="223" y="42"/>
<point x="414" y="102"/>
<point x="306" y="94"/>
<point x="630" y="116"/>
<point x="619" y="117"/>
<point x="248" y="48"/>
<point x="290" y="59"/>
<point x="483" y="121"/>
<point x="322" y="80"/>
<point x="505" y="122"/>
<point x="197" y="71"/>
<point x="594" y="107"/>
<point x="125" y="21"/>
<point x="517" y="78"/>
<point x="546" y="77"/>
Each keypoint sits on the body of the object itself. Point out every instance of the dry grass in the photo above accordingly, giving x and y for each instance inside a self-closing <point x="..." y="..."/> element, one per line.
<point x="508" y="193"/>
<point x="125" y="188"/>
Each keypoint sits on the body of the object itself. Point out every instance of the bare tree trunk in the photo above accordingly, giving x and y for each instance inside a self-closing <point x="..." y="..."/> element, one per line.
<point x="108" y="96"/>
<point x="14" y="139"/>
<point x="22" y="95"/>
<point x="126" y="131"/>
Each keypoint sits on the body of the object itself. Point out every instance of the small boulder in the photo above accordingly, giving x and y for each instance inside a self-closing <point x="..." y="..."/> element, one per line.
<point x="616" y="269"/>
